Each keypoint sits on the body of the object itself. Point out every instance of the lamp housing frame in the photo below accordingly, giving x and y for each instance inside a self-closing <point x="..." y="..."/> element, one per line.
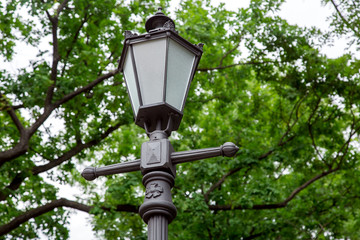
<point x="148" y="116"/>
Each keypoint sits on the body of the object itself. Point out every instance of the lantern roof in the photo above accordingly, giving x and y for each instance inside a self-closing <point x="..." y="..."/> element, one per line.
<point x="157" y="26"/>
<point x="158" y="21"/>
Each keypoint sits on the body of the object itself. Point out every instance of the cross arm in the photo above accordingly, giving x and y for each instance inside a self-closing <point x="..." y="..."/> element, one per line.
<point x="227" y="149"/>
<point x="90" y="173"/>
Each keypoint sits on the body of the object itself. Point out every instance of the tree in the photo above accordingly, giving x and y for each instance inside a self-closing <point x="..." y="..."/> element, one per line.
<point x="262" y="84"/>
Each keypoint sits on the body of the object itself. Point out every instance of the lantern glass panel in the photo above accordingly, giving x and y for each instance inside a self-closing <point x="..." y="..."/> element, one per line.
<point x="131" y="81"/>
<point x="179" y="70"/>
<point x="150" y="65"/>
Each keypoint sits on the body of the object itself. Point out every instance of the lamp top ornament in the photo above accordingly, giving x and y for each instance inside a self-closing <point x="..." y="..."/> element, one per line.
<point x="159" y="21"/>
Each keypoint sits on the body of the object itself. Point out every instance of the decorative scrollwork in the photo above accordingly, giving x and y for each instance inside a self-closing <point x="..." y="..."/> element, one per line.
<point x="169" y="25"/>
<point x="154" y="190"/>
<point x="129" y="34"/>
<point x="200" y="45"/>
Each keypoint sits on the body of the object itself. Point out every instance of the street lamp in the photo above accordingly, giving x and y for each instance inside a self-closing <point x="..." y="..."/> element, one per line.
<point x="158" y="67"/>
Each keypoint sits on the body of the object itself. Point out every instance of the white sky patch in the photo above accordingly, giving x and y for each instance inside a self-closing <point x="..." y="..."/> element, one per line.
<point x="338" y="101"/>
<point x="310" y="13"/>
<point x="355" y="143"/>
<point x="25" y="53"/>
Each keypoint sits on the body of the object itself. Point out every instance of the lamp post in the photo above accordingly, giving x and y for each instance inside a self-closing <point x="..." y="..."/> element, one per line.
<point x="158" y="67"/>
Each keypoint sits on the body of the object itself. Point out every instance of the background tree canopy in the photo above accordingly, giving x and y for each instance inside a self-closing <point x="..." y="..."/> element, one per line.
<point x="262" y="84"/>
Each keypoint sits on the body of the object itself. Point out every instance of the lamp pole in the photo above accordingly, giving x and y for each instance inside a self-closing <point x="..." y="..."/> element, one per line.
<point x="173" y="62"/>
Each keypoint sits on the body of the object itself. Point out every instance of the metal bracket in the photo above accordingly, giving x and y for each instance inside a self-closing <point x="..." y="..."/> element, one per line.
<point x="159" y="133"/>
<point x="156" y="156"/>
<point x="227" y="149"/>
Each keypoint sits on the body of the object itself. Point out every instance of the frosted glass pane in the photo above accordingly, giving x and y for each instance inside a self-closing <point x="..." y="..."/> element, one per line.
<point x="180" y="64"/>
<point x="130" y="81"/>
<point x="150" y="64"/>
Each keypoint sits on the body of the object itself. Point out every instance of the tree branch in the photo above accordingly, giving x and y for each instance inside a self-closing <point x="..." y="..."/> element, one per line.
<point x="62" y="202"/>
<point x="55" y="60"/>
<point x="20" y="177"/>
<point x="235" y="170"/>
<point x="16" y="121"/>
<point x="349" y="25"/>
<point x="310" y="128"/>
<point x="353" y="131"/>
<point x="229" y="52"/>
<point x="218" y="183"/>
<point x="295" y="110"/>
<point x="76" y="35"/>
<point x="14" y="185"/>
<point x="61" y="7"/>
<point x="19" y="149"/>
<point x="41" y="119"/>
<point x="88" y="87"/>
<point x="281" y="143"/>
<point x="68" y="97"/>
<point x="233" y="65"/>
<point x="56" y="56"/>
<point x="22" y="146"/>
<point x="11" y="111"/>
<point x="275" y="205"/>
<point x="16" y="107"/>
<point x="253" y="236"/>
<point x="75" y="150"/>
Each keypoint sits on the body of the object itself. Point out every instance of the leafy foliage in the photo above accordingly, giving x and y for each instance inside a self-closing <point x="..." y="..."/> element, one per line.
<point x="261" y="83"/>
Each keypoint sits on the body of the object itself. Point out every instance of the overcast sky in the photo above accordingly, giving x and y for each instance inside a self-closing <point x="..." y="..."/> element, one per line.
<point x="301" y="12"/>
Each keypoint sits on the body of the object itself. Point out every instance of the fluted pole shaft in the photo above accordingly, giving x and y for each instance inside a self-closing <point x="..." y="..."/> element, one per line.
<point x="158" y="228"/>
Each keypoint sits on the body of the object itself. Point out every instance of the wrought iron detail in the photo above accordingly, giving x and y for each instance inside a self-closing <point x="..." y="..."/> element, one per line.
<point x="129" y="34"/>
<point x="154" y="190"/>
<point x="200" y="45"/>
<point x="170" y="25"/>
<point x="159" y="21"/>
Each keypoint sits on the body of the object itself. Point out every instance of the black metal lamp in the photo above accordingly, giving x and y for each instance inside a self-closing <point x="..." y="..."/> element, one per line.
<point x="158" y="68"/>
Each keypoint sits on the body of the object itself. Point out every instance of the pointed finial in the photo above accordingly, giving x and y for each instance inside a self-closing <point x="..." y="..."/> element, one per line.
<point x="229" y="149"/>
